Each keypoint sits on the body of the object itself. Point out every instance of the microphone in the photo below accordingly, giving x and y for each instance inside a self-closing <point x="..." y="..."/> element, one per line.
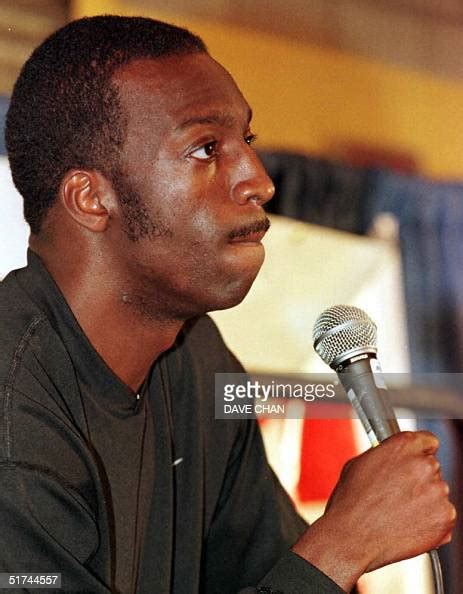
<point x="345" y="338"/>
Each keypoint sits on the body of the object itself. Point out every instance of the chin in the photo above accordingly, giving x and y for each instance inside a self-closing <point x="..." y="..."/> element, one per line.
<point x="233" y="294"/>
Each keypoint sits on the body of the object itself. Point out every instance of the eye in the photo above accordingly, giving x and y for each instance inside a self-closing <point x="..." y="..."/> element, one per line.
<point x="205" y="152"/>
<point x="250" y="139"/>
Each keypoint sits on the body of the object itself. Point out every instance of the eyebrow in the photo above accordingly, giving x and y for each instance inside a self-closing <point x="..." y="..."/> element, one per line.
<point x="218" y="118"/>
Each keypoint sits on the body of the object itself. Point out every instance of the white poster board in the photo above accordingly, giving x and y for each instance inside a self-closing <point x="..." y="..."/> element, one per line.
<point x="14" y="230"/>
<point x="306" y="270"/>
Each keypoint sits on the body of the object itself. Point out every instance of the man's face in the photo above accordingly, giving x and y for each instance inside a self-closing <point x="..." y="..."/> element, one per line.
<point x="188" y="159"/>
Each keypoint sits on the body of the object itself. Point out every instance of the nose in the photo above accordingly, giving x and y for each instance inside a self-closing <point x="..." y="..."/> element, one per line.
<point x="252" y="183"/>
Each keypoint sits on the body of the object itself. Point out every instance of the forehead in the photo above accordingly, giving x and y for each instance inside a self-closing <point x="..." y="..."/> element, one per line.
<point x="174" y="88"/>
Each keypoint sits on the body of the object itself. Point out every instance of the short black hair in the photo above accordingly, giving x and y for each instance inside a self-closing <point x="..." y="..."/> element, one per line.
<point x="65" y="111"/>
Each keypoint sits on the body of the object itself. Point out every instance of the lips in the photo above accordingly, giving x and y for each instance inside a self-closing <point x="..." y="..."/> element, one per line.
<point x="250" y="238"/>
<point x="251" y="233"/>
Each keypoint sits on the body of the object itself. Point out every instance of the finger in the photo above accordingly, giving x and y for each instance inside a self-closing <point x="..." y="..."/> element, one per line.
<point x="451" y="524"/>
<point x="415" y="442"/>
<point x="434" y="467"/>
<point x="446" y="540"/>
<point x="450" y="516"/>
<point x="426" y="442"/>
<point x="445" y="488"/>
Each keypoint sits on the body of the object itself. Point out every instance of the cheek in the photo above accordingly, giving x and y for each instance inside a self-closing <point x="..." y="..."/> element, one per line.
<point x="206" y="225"/>
<point x="191" y="199"/>
<point x="196" y="212"/>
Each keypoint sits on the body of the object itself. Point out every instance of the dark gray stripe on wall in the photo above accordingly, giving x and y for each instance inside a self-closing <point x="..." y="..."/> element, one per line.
<point x="3" y="109"/>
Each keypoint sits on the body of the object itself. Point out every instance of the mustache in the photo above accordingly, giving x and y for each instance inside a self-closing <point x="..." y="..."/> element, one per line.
<point x="255" y="227"/>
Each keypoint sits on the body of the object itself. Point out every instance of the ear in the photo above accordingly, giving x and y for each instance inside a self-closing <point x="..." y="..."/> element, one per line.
<point x="87" y="197"/>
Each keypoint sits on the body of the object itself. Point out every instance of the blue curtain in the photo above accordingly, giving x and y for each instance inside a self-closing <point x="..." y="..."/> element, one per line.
<point x="317" y="190"/>
<point x="430" y="215"/>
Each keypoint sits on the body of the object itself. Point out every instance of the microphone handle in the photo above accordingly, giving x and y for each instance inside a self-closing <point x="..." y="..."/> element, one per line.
<point x="364" y="384"/>
<point x="362" y="379"/>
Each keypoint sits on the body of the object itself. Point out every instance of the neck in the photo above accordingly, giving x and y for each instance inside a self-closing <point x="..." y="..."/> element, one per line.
<point x="131" y="351"/>
<point x="128" y="345"/>
<point x="126" y="339"/>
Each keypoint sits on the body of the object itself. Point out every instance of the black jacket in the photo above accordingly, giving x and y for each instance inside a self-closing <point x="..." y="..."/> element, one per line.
<point x="128" y="493"/>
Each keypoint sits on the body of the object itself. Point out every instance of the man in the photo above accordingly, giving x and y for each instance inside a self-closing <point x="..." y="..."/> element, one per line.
<point x="131" y="148"/>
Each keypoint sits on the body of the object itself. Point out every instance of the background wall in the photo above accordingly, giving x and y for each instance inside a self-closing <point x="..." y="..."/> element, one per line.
<point x="317" y="99"/>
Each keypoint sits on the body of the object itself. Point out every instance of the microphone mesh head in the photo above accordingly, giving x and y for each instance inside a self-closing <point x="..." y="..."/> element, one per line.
<point x="343" y="331"/>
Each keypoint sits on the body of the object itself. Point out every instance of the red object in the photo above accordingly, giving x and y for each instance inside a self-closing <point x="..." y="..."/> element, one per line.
<point x="327" y="444"/>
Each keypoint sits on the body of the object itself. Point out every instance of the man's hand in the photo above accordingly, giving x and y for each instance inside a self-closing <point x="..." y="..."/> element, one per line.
<point x="389" y="504"/>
